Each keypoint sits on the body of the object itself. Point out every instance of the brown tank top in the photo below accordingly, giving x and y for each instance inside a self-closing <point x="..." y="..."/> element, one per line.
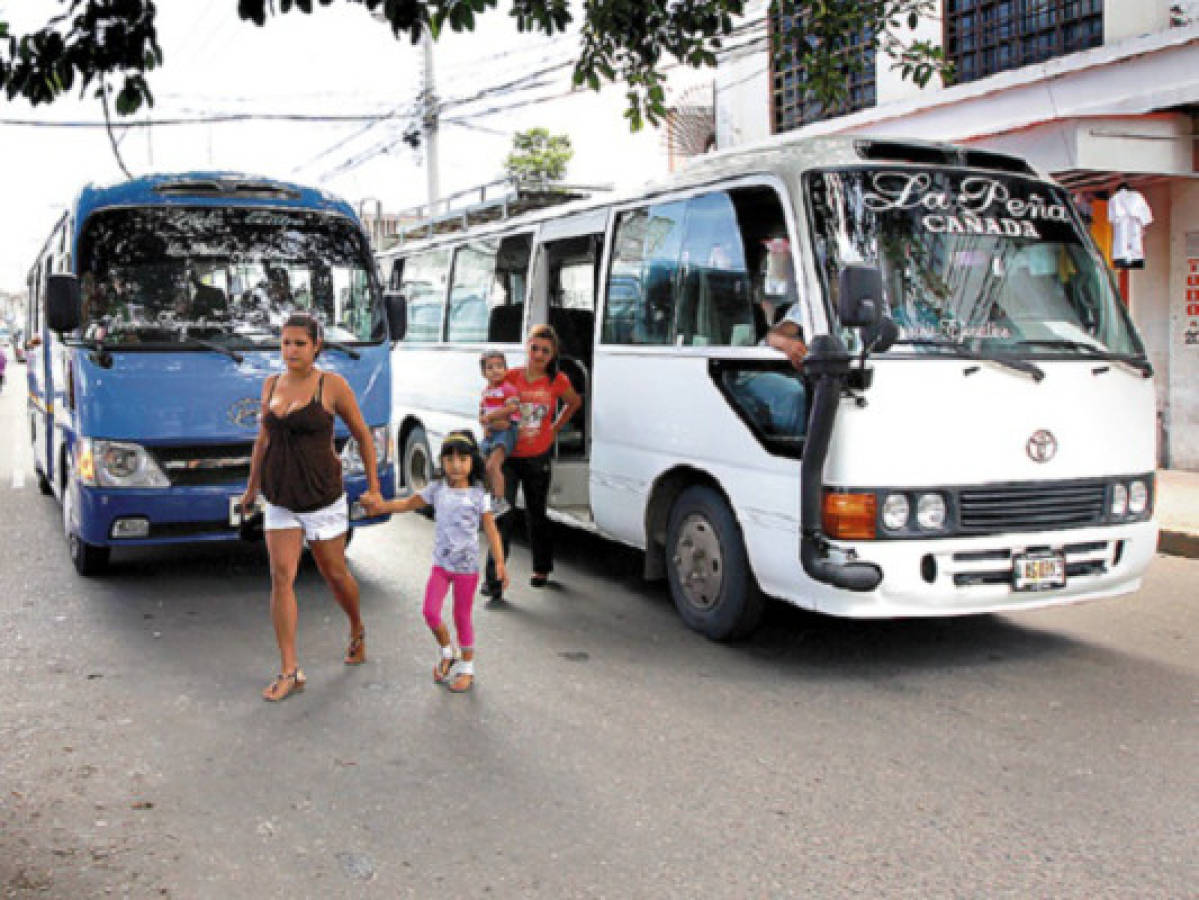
<point x="300" y="470"/>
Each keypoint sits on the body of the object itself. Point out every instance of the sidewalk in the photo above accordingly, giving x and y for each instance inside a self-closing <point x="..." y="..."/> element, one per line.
<point x="1178" y="512"/>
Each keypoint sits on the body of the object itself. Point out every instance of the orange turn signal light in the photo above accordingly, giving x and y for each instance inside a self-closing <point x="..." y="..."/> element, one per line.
<point x="850" y="517"/>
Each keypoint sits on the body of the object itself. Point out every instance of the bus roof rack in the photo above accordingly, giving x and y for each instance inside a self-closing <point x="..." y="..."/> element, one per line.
<point x="494" y="201"/>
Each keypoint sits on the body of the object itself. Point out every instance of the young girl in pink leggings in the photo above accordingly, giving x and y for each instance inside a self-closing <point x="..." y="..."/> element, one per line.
<point x="460" y="502"/>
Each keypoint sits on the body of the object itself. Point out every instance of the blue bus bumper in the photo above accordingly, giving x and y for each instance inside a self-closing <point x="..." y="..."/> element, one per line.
<point x="188" y="515"/>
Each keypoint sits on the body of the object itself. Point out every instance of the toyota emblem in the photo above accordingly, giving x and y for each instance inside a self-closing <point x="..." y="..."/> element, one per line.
<point x="1042" y="446"/>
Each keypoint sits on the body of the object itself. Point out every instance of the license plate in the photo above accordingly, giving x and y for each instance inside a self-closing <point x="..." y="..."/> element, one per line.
<point x="235" y="513"/>
<point x="1039" y="571"/>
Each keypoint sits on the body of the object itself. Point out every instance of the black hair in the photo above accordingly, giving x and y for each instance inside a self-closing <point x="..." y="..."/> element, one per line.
<point x="308" y="323"/>
<point x="463" y="443"/>
<point x="491" y="354"/>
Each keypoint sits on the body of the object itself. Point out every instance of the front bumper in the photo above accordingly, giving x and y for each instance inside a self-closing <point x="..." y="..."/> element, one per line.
<point x="964" y="576"/>
<point x="184" y="515"/>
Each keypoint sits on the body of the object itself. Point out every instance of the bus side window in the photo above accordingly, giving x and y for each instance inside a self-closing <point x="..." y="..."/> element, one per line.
<point x="424" y="287"/>
<point x="506" y="299"/>
<point x="474" y="271"/>
<point x="714" y="304"/>
<point x="641" y="282"/>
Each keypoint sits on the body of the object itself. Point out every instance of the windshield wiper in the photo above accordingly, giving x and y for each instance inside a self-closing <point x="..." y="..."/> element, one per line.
<point x="1020" y="365"/>
<point x="1090" y="350"/>
<point x="215" y="348"/>
<point x="348" y="351"/>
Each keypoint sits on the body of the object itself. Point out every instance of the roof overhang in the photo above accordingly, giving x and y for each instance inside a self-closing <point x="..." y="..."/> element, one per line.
<point x="1133" y="77"/>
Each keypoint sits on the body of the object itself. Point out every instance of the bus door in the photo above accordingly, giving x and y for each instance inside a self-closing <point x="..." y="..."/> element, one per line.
<point x="37" y="372"/>
<point x="565" y="287"/>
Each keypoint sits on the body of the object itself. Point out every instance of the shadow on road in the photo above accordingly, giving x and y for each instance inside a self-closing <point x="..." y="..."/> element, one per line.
<point x="806" y="640"/>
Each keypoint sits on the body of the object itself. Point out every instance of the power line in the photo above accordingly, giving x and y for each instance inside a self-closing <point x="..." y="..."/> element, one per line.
<point x="218" y="118"/>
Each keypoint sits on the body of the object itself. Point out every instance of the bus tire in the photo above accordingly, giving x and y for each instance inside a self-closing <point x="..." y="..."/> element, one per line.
<point x="417" y="464"/>
<point x="708" y="568"/>
<point x="88" y="559"/>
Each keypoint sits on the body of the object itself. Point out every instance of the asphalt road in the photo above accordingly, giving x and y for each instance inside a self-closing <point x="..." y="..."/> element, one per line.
<point x="606" y="750"/>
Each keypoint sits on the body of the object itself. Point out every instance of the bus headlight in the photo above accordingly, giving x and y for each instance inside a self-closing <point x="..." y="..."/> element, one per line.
<point x="118" y="464"/>
<point x="351" y="459"/>
<point x="895" y="512"/>
<point x="1138" y="498"/>
<point x="1119" y="500"/>
<point x="930" y="512"/>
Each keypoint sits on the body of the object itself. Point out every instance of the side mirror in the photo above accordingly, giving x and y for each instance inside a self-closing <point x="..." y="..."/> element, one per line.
<point x="879" y="337"/>
<point x="397" y="314"/>
<point x="860" y="299"/>
<point x="64" y="308"/>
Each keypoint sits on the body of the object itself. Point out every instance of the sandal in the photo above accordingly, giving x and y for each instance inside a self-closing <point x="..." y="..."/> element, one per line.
<point x="461" y="671"/>
<point x="284" y="685"/>
<point x="445" y="666"/>
<point x="356" y="654"/>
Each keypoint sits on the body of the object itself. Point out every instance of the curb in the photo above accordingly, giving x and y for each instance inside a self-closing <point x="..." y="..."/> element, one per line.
<point x="1178" y="543"/>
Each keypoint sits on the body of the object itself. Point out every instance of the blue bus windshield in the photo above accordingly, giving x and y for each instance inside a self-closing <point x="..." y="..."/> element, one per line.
<point x="163" y="275"/>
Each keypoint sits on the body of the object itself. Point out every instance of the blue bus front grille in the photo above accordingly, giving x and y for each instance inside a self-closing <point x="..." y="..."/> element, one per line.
<point x="204" y="464"/>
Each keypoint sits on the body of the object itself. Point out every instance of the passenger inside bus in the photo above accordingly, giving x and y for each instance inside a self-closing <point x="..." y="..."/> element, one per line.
<point x="776" y="401"/>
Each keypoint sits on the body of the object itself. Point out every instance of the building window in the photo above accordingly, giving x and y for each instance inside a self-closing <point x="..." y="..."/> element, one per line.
<point x="983" y="37"/>
<point x="791" y="104"/>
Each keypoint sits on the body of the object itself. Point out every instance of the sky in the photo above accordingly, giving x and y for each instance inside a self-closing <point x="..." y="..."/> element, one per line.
<point x="338" y="61"/>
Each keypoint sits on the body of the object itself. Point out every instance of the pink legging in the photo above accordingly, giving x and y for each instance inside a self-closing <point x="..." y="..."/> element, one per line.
<point x="464" y="595"/>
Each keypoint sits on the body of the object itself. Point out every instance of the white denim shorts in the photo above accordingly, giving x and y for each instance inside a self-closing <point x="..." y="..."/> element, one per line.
<point x="321" y="524"/>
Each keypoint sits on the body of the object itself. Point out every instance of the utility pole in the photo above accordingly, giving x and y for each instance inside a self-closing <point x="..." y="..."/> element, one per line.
<point x="429" y="121"/>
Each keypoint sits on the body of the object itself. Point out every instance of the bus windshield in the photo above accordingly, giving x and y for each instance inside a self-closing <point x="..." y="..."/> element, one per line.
<point x="172" y="275"/>
<point x="994" y="262"/>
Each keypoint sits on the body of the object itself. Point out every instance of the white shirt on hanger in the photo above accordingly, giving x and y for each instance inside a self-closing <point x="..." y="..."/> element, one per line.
<point x="1129" y="214"/>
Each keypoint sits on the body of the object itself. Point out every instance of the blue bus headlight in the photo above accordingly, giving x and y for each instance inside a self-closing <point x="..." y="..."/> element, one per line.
<point x="118" y="464"/>
<point x="351" y="459"/>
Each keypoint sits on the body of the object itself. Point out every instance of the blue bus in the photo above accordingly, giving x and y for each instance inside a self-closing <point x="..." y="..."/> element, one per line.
<point x="154" y="314"/>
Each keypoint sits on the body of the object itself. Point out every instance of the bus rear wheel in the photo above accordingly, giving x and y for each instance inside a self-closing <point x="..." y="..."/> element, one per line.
<point x="708" y="568"/>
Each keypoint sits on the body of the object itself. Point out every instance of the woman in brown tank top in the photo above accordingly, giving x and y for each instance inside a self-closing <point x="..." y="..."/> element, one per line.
<point x="296" y="467"/>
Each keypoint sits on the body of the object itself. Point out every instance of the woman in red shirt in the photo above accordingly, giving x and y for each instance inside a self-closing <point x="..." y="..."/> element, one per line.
<point x="540" y="387"/>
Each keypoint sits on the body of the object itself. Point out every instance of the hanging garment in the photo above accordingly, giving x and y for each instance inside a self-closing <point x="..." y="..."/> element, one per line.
<point x="1129" y="214"/>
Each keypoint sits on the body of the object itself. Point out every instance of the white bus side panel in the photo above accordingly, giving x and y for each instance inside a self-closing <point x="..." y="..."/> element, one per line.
<point x="652" y="414"/>
<point x="440" y="387"/>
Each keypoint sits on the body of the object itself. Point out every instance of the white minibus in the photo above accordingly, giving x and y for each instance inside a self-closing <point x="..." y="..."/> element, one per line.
<point x="972" y="429"/>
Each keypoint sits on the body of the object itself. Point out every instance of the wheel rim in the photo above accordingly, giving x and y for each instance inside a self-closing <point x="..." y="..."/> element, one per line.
<point x="418" y="467"/>
<point x="698" y="562"/>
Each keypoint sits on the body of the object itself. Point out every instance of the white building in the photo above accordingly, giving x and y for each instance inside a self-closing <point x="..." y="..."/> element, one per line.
<point x="1098" y="92"/>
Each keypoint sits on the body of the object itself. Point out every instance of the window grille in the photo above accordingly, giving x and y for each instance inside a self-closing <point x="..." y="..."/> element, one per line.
<point x="983" y="37"/>
<point x="792" y="105"/>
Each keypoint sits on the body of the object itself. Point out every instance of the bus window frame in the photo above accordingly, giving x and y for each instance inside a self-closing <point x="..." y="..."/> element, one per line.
<point x="815" y="314"/>
<point x="397" y="259"/>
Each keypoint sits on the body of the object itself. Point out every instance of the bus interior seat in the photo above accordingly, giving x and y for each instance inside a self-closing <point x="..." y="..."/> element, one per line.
<point x="572" y="440"/>
<point x="712" y="303"/>
<point x="503" y="323"/>
<point x="576" y="331"/>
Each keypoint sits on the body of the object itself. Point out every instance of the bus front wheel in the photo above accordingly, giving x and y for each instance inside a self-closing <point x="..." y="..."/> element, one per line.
<point x="708" y="568"/>
<point x="88" y="559"/>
